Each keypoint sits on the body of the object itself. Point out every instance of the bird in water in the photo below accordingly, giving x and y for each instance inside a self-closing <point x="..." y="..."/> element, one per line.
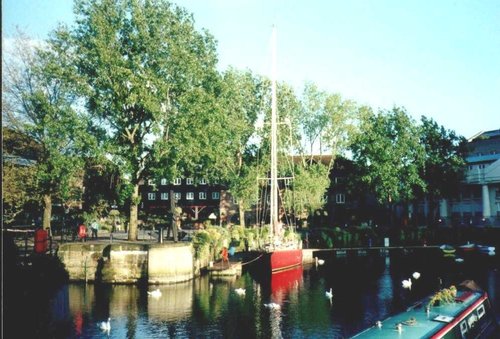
<point x="329" y="294"/>
<point x="155" y="294"/>
<point x="106" y="325"/>
<point x="240" y="291"/>
<point x="378" y="324"/>
<point x="319" y="261"/>
<point x="407" y="283"/>
<point x="272" y="306"/>
<point x="416" y="275"/>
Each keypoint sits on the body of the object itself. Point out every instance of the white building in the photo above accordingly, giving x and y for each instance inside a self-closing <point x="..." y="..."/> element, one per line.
<point x="479" y="201"/>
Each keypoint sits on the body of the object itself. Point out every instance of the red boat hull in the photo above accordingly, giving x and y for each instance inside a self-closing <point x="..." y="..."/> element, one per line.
<point x="281" y="260"/>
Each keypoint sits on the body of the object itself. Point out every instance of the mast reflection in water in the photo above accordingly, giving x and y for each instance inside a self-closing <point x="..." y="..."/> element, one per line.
<point x="365" y="289"/>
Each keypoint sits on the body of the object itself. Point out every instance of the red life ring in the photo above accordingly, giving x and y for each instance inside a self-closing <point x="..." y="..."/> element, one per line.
<point x="82" y="231"/>
<point x="41" y="239"/>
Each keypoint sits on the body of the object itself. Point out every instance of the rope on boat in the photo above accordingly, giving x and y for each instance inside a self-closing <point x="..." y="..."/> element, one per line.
<point x="251" y="261"/>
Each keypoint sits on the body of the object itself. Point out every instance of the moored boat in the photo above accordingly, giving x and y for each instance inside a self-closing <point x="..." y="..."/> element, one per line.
<point x="278" y="254"/>
<point x="447" y="249"/>
<point x="282" y="259"/>
<point x="467" y="247"/>
<point x="486" y="249"/>
<point x="468" y="315"/>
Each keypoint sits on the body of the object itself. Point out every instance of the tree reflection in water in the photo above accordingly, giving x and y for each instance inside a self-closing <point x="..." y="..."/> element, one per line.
<point x="366" y="289"/>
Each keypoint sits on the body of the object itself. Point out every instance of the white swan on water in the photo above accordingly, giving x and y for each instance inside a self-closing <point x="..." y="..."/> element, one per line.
<point x="240" y="291"/>
<point x="329" y="294"/>
<point x="106" y="325"/>
<point x="319" y="261"/>
<point x="272" y="306"/>
<point x="407" y="283"/>
<point x="155" y="294"/>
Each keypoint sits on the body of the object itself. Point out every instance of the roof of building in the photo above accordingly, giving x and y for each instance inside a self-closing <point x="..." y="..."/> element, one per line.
<point x="485" y="135"/>
<point x="17" y="160"/>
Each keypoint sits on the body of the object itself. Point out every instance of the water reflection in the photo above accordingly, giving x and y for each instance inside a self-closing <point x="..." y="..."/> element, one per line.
<point x="365" y="289"/>
<point x="175" y="303"/>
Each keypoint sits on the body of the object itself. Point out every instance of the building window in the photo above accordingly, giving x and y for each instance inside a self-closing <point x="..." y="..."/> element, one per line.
<point x="151" y="182"/>
<point x="177" y="196"/>
<point x="177" y="181"/>
<point x="340" y="198"/>
<point x="189" y="196"/>
<point x="215" y="195"/>
<point x="163" y="182"/>
<point x="203" y="195"/>
<point x="189" y="181"/>
<point x="203" y="181"/>
<point x="164" y="196"/>
<point x="151" y="196"/>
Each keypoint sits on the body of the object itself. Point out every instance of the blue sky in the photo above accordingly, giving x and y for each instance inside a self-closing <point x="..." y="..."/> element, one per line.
<point x="436" y="58"/>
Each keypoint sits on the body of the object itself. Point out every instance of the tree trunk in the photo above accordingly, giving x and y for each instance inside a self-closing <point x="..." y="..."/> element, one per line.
<point x="47" y="210"/>
<point x="432" y="217"/>
<point x="134" y="206"/>
<point x="242" y="213"/>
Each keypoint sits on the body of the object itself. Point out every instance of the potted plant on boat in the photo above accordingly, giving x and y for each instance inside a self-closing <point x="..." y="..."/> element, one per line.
<point x="444" y="296"/>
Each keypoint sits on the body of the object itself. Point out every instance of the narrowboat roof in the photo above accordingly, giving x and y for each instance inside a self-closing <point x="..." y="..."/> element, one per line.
<point x="417" y="323"/>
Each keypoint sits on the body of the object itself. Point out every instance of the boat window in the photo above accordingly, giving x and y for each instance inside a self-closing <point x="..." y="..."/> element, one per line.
<point x="480" y="311"/>
<point x="463" y="327"/>
<point x="472" y="320"/>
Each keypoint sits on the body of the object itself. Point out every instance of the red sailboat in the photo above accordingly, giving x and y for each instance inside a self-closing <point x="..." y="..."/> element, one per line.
<point x="278" y="254"/>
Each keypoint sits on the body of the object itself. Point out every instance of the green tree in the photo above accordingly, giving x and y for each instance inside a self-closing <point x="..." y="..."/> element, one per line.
<point x="150" y="80"/>
<point x="444" y="165"/>
<point x="241" y="99"/>
<point x="19" y="194"/>
<point x="39" y="85"/>
<point x="389" y="156"/>
<point x="18" y="185"/>
<point x="102" y="180"/>
<point x="327" y="123"/>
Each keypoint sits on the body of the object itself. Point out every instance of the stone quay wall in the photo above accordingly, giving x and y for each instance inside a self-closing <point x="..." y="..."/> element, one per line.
<point x="128" y="263"/>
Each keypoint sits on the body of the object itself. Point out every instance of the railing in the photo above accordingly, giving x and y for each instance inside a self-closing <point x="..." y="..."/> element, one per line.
<point x="24" y="239"/>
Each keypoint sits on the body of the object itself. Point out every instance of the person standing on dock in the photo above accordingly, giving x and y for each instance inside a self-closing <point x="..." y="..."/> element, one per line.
<point x="94" y="228"/>
<point x="225" y="256"/>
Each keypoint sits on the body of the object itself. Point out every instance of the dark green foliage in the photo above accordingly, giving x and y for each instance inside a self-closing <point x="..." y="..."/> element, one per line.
<point x="389" y="155"/>
<point x="150" y="79"/>
<point x="444" y="164"/>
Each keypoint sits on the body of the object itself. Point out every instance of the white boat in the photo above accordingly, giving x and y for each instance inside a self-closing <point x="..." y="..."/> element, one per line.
<point x="486" y="249"/>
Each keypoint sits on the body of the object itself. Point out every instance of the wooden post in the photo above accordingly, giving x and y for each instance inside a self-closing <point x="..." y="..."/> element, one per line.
<point x="25" y="246"/>
<point x="174" y="219"/>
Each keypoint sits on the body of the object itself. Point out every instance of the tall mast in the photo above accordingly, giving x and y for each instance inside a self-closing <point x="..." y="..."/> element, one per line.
<point x="274" y="141"/>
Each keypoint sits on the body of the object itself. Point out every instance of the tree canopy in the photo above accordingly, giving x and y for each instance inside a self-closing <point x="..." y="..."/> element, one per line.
<point x="389" y="155"/>
<point x="150" y="80"/>
<point x="38" y="86"/>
